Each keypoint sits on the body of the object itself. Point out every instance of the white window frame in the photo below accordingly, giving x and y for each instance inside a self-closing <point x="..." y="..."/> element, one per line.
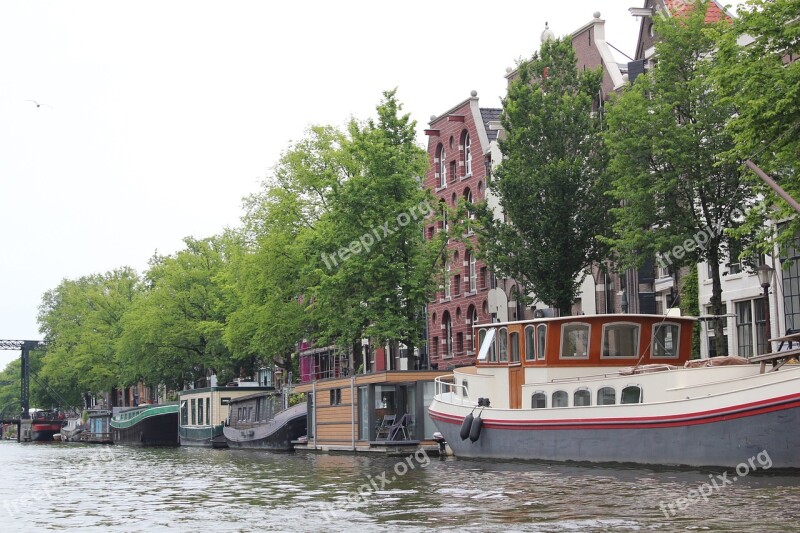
<point x="677" y="349"/>
<point x="566" y="325"/>
<point x="606" y="327"/>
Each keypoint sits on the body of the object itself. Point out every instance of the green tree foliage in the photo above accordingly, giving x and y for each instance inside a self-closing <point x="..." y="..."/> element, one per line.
<point x="81" y="321"/>
<point x="761" y="81"/>
<point x="551" y="182"/>
<point x="173" y="333"/>
<point x="677" y="193"/>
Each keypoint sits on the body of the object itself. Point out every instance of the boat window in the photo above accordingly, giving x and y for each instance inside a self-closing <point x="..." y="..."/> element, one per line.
<point x="194" y="411"/>
<point x="560" y="398"/>
<point x="502" y="344"/>
<point x="620" y="339"/>
<point x="666" y="339"/>
<point x="208" y="411"/>
<point x="631" y="394"/>
<point x="513" y="344"/>
<point x="530" y="344"/>
<point x="486" y="340"/>
<point x="541" y="333"/>
<point x="539" y="400"/>
<point x="465" y="389"/>
<point x="582" y="398"/>
<point x="200" y="411"/>
<point x="575" y="340"/>
<point x="606" y="396"/>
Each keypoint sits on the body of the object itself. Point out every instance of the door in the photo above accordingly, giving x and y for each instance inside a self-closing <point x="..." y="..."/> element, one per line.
<point x="516" y="378"/>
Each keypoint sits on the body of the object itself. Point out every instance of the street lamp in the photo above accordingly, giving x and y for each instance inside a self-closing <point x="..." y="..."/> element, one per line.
<point x="765" y="279"/>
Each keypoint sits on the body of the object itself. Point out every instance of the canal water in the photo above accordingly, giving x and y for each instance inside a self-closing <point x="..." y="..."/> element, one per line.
<point x="57" y="486"/>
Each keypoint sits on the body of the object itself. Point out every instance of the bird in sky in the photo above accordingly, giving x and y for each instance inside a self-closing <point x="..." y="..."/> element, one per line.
<point x="37" y="104"/>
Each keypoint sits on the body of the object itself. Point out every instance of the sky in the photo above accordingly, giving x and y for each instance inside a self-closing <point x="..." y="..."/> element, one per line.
<point x="155" y="119"/>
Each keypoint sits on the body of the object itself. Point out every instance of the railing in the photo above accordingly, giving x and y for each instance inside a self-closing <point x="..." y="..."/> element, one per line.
<point x="446" y="390"/>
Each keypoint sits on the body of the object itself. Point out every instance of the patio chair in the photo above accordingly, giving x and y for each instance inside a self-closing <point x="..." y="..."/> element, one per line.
<point x="384" y="429"/>
<point x="400" y="428"/>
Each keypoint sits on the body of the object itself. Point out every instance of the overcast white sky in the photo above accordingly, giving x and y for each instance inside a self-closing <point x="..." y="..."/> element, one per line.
<point x="159" y="116"/>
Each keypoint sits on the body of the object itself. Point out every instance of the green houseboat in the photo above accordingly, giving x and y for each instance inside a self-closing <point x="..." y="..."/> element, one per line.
<point x="147" y="425"/>
<point x="203" y="413"/>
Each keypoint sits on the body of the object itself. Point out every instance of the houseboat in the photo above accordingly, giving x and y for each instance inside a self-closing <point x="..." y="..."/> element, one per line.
<point x="616" y="388"/>
<point x="45" y="424"/>
<point x="379" y="411"/>
<point x="205" y="410"/>
<point x="148" y="425"/>
<point x="98" y="429"/>
<point x="261" y="421"/>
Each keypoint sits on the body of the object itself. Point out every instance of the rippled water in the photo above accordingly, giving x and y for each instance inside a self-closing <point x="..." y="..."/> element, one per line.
<point x="114" y="488"/>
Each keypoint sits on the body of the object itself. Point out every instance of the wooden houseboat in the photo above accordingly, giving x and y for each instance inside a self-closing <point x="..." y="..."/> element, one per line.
<point x="616" y="388"/>
<point x="204" y="412"/>
<point x="377" y="411"/>
<point x="262" y="421"/>
<point x="98" y="429"/>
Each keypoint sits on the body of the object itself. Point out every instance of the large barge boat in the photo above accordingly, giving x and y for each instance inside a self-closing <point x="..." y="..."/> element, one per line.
<point x="45" y="424"/>
<point x="617" y="388"/>
<point x="261" y="421"/>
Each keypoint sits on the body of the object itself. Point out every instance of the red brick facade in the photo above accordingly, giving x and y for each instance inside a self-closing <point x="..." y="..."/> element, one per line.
<point x="462" y="136"/>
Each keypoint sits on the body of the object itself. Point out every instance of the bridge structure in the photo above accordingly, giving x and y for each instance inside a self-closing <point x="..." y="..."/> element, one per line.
<point x="25" y="370"/>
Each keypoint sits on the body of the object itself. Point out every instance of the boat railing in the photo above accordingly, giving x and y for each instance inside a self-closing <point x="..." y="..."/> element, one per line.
<point x="446" y="389"/>
<point x="629" y="371"/>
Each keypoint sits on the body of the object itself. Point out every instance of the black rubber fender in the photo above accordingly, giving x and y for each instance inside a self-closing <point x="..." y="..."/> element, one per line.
<point x="475" y="430"/>
<point x="466" y="427"/>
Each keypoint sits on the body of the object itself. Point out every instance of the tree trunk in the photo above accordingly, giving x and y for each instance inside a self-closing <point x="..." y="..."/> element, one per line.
<point x="716" y="302"/>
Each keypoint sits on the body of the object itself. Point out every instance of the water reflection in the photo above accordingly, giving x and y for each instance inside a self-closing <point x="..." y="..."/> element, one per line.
<point x="112" y="488"/>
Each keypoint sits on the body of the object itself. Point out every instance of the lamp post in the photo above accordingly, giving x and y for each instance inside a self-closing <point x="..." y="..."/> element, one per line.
<point x="765" y="279"/>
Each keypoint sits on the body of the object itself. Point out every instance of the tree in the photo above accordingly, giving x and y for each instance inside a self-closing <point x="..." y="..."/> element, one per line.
<point x="81" y="321"/>
<point x="676" y="192"/>
<point x="761" y="81"/>
<point x="173" y="333"/>
<point x="551" y="182"/>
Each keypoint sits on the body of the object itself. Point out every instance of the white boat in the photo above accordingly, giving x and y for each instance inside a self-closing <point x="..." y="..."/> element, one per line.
<point x="613" y="388"/>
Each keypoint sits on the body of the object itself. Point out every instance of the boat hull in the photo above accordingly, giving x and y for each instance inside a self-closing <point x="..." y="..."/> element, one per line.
<point x="204" y="437"/>
<point x="157" y="426"/>
<point x="277" y="434"/>
<point x="44" y="431"/>
<point x="727" y="438"/>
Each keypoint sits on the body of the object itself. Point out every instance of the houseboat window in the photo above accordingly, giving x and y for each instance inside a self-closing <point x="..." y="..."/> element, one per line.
<point x="502" y="344"/>
<point x="539" y="400"/>
<point x="465" y="390"/>
<point x="194" y="411"/>
<point x="541" y="333"/>
<point x="239" y="414"/>
<point x="200" y="411"/>
<point x="631" y="394"/>
<point x="336" y="396"/>
<point x="249" y="413"/>
<point x="582" y="398"/>
<point x="606" y="396"/>
<point x="208" y="411"/>
<point x="620" y="340"/>
<point x="665" y="340"/>
<point x="560" y="398"/>
<point x="530" y="344"/>
<point x="184" y="413"/>
<point x="486" y="341"/>
<point x="575" y="340"/>
<point x="514" y="347"/>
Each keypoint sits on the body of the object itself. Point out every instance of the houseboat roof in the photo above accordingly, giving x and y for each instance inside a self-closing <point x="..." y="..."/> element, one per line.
<point x="578" y="318"/>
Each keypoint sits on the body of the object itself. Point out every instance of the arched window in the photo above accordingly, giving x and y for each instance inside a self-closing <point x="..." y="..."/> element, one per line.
<point x="502" y="344"/>
<point x="530" y="344"/>
<point x="560" y="399"/>
<point x="467" y="156"/>
<point x="448" y="334"/>
<point x="539" y="400"/>
<point x="606" y="396"/>
<point x="513" y="341"/>
<point x="582" y="398"/>
<point x="541" y="334"/>
<point x="491" y="356"/>
<point x="441" y="166"/>
<point x="631" y="394"/>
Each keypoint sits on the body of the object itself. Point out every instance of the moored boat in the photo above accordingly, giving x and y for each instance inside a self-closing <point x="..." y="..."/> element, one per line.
<point x="260" y="421"/>
<point x="613" y="388"/>
<point x="73" y="428"/>
<point x="45" y="424"/>
<point x="149" y="425"/>
<point x="98" y="429"/>
<point x="205" y="410"/>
